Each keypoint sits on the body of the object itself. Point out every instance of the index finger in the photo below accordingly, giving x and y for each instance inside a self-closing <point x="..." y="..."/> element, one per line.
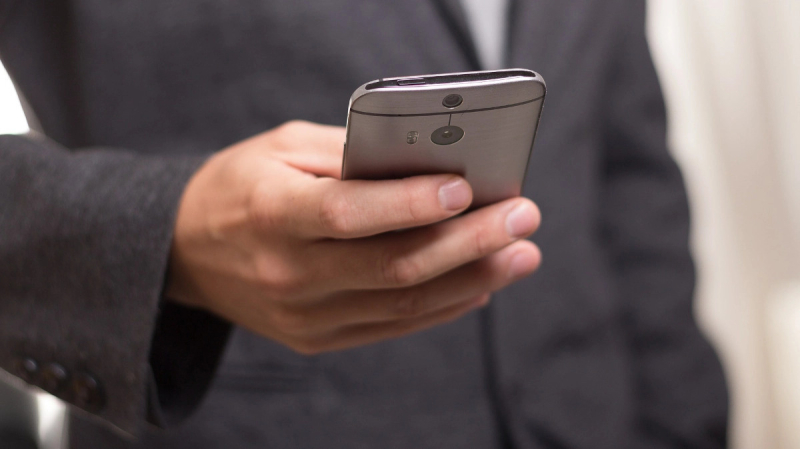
<point x="310" y="147"/>
<point x="353" y="209"/>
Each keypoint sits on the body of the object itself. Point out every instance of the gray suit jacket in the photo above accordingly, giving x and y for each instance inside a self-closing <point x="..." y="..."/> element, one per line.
<point x="596" y="350"/>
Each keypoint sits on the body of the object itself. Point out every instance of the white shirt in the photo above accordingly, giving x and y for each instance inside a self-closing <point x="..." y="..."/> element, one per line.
<point x="488" y="22"/>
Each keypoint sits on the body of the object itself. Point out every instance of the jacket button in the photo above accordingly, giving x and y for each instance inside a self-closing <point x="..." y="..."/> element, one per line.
<point x="86" y="392"/>
<point x="53" y="378"/>
<point x="26" y="369"/>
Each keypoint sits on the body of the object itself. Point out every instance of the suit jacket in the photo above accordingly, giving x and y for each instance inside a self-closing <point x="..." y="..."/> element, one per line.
<point x="598" y="349"/>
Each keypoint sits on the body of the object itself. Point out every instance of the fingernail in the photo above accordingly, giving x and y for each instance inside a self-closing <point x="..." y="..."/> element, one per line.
<point x="521" y="220"/>
<point x="522" y="264"/>
<point x="455" y="194"/>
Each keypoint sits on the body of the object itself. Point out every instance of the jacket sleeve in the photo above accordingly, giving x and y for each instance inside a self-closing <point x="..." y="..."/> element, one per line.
<point x="84" y="243"/>
<point x="681" y="396"/>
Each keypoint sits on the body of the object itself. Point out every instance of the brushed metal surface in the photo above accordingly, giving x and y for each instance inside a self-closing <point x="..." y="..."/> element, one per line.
<point x="499" y="118"/>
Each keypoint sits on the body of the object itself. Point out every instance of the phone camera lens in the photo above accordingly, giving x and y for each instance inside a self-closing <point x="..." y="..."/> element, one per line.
<point x="447" y="135"/>
<point x="452" y="101"/>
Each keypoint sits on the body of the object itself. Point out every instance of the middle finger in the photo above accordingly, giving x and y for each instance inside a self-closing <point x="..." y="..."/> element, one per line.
<point x="489" y="274"/>
<point x="414" y="256"/>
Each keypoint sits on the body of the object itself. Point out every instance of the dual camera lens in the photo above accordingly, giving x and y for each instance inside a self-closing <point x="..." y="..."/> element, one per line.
<point x="448" y="135"/>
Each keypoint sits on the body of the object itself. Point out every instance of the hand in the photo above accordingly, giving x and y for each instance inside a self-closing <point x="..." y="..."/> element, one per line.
<point x="269" y="238"/>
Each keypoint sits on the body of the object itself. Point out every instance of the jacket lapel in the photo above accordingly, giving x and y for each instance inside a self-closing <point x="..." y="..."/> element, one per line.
<point x="455" y="19"/>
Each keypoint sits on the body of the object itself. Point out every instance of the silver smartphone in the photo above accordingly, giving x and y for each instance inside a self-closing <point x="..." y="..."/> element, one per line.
<point x="480" y="125"/>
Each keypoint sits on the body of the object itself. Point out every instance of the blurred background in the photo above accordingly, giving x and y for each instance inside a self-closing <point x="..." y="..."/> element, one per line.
<point x="731" y="76"/>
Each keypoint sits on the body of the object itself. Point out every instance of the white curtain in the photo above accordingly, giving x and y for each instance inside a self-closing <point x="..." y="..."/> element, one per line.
<point x="731" y="75"/>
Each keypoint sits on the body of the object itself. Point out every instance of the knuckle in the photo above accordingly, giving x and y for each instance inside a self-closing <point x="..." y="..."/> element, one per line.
<point x="287" y="134"/>
<point x="400" y="271"/>
<point x="285" y="287"/>
<point x="482" y="241"/>
<point x="308" y="347"/>
<point x="335" y="215"/>
<point x="258" y="211"/>
<point x="408" y="305"/>
<point x="289" y="321"/>
<point x="277" y="281"/>
<point x="293" y="126"/>
<point x="414" y="206"/>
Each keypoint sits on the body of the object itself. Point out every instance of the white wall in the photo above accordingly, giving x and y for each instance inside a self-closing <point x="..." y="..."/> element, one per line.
<point x="12" y="120"/>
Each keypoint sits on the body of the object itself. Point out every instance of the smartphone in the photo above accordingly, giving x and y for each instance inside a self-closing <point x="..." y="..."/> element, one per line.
<point x="480" y="125"/>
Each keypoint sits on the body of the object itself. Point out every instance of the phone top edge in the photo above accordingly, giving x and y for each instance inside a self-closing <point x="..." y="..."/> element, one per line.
<point x="449" y="112"/>
<point x="447" y="78"/>
<point x="445" y="81"/>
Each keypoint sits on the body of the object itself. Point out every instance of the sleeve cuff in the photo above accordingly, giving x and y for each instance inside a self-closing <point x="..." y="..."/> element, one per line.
<point x="85" y="238"/>
<point x="187" y="346"/>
